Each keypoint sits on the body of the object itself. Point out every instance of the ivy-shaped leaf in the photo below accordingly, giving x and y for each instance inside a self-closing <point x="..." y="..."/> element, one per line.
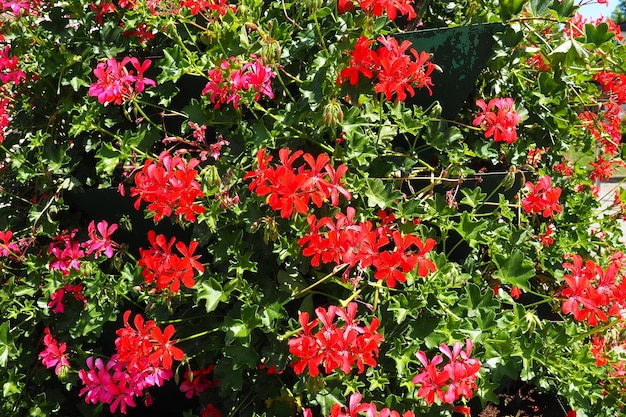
<point x="514" y="269"/>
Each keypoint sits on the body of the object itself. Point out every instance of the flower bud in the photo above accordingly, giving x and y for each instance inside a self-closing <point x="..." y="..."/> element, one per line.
<point x="63" y="373"/>
<point x="313" y="5"/>
<point x="332" y="114"/>
<point x="270" y="52"/>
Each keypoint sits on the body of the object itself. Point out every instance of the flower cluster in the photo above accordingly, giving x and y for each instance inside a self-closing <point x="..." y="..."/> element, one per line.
<point x="393" y="8"/>
<point x="169" y="186"/>
<point x="395" y="70"/>
<point x="543" y="198"/>
<point x="290" y="188"/>
<point x="100" y="241"/>
<point x="502" y="123"/>
<point x="575" y="26"/>
<point x="144" y="358"/>
<point x="603" y="168"/>
<point x="614" y="84"/>
<point x="356" y="407"/>
<point x="604" y="126"/>
<point x="18" y="7"/>
<point x="232" y="79"/>
<point x="117" y="83"/>
<point x="5" y="106"/>
<point x="342" y="240"/>
<point x="9" y="69"/>
<point x="210" y="411"/>
<point x="217" y="7"/>
<point x="56" y="298"/>
<point x="334" y="346"/>
<point x="8" y="249"/>
<point x="591" y="292"/>
<point x="54" y="354"/>
<point x="196" y="382"/>
<point x="457" y="376"/>
<point x="66" y="253"/>
<point x="10" y="74"/>
<point x="163" y="266"/>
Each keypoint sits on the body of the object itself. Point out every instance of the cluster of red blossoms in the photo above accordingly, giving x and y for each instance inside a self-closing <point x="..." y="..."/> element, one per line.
<point x="393" y="8"/>
<point x="169" y="186"/>
<point x="290" y="188"/>
<point x="458" y="374"/>
<point x="344" y="241"/>
<point x="215" y="7"/>
<point x="232" y="79"/>
<point x="591" y="292"/>
<point x="334" y="346"/>
<point x="543" y="198"/>
<point x="196" y="382"/>
<point x="502" y="123"/>
<point x="575" y="26"/>
<point x="604" y="125"/>
<point x="56" y="298"/>
<point x="117" y="83"/>
<point x="356" y="407"/>
<point x="396" y="71"/>
<point x="10" y="73"/>
<point x="167" y="268"/>
<point x="208" y="8"/>
<point x="144" y="358"/>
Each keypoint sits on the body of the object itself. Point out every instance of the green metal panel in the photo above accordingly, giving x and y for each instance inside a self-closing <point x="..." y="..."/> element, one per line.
<point x="462" y="53"/>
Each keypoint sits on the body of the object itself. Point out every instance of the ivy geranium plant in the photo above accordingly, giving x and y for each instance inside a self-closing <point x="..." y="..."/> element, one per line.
<point x="258" y="208"/>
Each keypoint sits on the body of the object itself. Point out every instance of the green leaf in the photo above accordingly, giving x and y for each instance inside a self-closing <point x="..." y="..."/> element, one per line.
<point x="77" y="83"/>
<point x="380" y="195"/>
<point x="109" y="158"/>
<point x="514" y="269"/>
<point x="509" y="8"/>
<point x="470" y="230"/>
<point x="5" y="346"/>
<point x="564" y="8"/>
<point x="210" y="295"/>
<point x="473" y="197"/>
<point x="243" y="357"/>
<point x="243" y="37"/>
<point x="242" y="263"/>
<point x="539" y="7"/>
<point x="235" y="329"/>
<point x="598" y="34"/>
<point x="291" y="282"/>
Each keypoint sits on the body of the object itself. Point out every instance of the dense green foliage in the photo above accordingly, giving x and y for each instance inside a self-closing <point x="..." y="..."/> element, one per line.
<point x="475" y="235"/>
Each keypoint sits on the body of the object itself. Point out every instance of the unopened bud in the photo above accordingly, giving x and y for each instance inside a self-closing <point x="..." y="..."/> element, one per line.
<point x="63" y="373"/>
<point x="332" y="114"/>
<point x="313" y="5"/>
<point x="270" y="52"/>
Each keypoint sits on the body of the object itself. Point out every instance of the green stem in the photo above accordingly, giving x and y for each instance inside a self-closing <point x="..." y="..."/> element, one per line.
<point x="454" y="122"/>
<point x="138" y="108"/>
<point x="301" y="134"/>
<point x="318" y="282"/>
<point x="197" y="335"/>
<point x="319" y="33"/>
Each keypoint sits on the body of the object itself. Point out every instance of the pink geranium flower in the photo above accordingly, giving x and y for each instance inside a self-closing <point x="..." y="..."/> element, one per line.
<point x="54" y="354"/>
<point x="117" y="83"/>
<point x="100" y="239"/>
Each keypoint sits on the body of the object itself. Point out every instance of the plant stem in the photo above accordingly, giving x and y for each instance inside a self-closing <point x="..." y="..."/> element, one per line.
<point x="318" y="282"/>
